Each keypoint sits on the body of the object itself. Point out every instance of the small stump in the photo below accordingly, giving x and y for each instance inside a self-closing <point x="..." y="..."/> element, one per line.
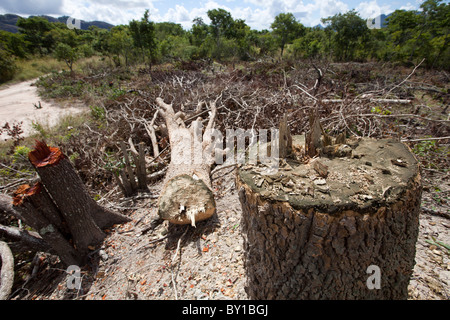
<point x="318" y="230"/>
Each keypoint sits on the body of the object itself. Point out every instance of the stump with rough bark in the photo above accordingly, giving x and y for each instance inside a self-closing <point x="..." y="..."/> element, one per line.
<point x="316" y="229"/>
<point x="60" y="208"/>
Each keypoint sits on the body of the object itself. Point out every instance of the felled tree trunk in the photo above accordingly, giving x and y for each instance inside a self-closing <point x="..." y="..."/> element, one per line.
<point x="186" y="196"/>
<point x="60" y="208"/>
<point x="318" y="230"/>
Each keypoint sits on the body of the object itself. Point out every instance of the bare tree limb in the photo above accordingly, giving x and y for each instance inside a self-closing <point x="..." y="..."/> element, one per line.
<point x="30" y="239"/>
<point x="6" y="272"/>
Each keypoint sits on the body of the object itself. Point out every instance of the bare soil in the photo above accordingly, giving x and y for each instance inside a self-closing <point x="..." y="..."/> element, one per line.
<point x="20" y="102"/>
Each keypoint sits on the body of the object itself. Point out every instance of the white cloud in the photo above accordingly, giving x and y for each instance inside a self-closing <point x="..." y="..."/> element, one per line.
<point x="372" y="9"/>
<point x="408" y="6"/>
<point x="112" y="11"/>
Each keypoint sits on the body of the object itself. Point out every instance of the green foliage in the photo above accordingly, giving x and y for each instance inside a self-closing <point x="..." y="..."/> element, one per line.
<point x="121" y="43"/>
<point x="66" y="53"/>
<point x="424" y="147"/>
<point x="381" y="110"/>
<point x="98" y="113"/>
<point x="410" y="37"/>
<point x="349" y="34"/>
<point x="40" y="129"/>
<point x="20" y="155"/>
<point x="311" y="45"/>
<point x="221" y="23"/>
<point x="286" y="28"/>
<point x="143" y="34"/>
<point x="8" y="67"/>
<point x="36" y="34"/>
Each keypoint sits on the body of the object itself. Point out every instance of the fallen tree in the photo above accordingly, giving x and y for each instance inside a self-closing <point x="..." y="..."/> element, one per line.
<point x="186" y="196"/>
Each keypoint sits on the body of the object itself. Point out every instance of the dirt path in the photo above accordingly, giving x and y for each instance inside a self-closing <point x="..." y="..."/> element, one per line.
<point x="17" y="104"/>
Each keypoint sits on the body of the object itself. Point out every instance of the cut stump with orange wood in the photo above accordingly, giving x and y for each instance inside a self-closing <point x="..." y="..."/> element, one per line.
<point x="60" y="208"/>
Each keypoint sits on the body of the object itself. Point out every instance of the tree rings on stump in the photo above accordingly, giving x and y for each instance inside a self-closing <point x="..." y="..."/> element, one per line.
<point x="311" y="235"/>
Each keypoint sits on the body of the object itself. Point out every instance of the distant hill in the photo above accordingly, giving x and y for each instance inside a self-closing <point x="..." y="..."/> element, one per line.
<point x="8" y="22"/>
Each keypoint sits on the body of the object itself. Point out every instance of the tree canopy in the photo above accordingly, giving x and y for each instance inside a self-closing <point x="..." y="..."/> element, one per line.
<point x="409" y="37"/>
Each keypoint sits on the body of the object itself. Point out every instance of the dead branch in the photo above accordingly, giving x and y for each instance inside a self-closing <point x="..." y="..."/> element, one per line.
<point x="400" y="101"/>
<point x="425" y="139"/>
<point x="30" y="239"/>
<point x="406" y="79"/>
<point x="6" y="271"/>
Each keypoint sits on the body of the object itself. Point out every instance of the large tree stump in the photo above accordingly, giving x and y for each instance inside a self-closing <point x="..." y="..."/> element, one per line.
<point x="314" y="229"/>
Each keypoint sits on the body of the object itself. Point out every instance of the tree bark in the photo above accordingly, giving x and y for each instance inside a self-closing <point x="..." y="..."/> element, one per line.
<point x="308" y="236"/>
<point x="186" y="196"/>
<point x="34" y="212"/>
<point x="59" y="207"/>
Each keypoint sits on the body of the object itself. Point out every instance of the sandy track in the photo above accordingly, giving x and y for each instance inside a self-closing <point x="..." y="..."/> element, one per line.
<point x="16" y="104"/>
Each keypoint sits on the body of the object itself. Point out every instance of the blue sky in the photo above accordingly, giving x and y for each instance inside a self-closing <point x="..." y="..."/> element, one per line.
<point x="259" y="14"/>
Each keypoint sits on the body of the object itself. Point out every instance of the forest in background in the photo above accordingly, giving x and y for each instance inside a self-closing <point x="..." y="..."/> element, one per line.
<point x="408" y="38"/>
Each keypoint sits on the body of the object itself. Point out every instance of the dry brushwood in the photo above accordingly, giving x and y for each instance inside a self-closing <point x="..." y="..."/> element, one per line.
<point x="186" y="196"/>
<point x="133" y="180"/>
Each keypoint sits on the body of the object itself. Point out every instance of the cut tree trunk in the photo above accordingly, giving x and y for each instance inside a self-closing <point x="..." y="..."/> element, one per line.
<point x="34" y="211"/>
<point x="59" y="207"/>
<point x="316" y="231"/>
<point x="186" y="196"/>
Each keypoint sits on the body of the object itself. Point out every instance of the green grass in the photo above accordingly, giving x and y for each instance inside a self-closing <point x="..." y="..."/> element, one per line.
<point x="36" y="67"/>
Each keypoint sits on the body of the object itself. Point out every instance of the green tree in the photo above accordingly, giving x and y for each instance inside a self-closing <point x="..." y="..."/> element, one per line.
<point x="64" y="52"/>
<point x="311" y="45"/>
<point x="165" y="29"/>
<point x="7" y="66"/>
<point x="350" y="33"/>
<point x="436" y="26"/>
<point x="143" y="34"/>
<point x="199" y="31"/>
<point x="120" y="42"/>
<point x="35" y="31"/>
<point x="266" y="43"/>
<point x="286" y="28"/>
<point x="14" y="43"/>
<point x="221" y="23"/>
